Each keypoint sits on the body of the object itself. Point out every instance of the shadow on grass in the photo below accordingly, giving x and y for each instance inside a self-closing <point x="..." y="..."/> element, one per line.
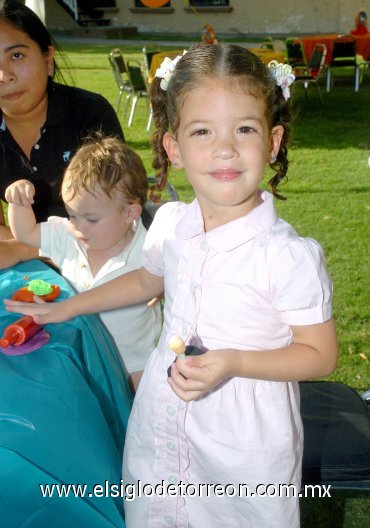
<point x="350" y="111"/>
<point x="323" y="513"/>
<point x="342" y="510"/>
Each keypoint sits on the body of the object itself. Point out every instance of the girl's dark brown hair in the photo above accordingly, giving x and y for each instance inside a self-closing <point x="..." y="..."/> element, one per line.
<point x="218" y="61"/>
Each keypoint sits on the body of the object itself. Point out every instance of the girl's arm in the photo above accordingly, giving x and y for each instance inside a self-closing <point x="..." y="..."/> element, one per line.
<point x="132" y="288"/>
<point x="312" y="354"/>
<point x="22" y="219"/>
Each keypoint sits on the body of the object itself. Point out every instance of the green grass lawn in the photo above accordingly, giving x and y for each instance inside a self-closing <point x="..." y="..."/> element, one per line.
<point x="327" y="199"/>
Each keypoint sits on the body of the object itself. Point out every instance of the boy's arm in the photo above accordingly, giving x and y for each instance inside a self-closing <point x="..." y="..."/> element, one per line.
<point x="131" y="288"/>
<point x="23" y="224"/>
<point x="21" y="217"/>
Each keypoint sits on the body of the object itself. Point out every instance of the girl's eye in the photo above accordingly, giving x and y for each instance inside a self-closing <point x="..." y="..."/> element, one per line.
<point x="17" y="55"/>
<point x="246" y="130"/>
<point x="201" y="132"/>
<point x="92" y="220"/>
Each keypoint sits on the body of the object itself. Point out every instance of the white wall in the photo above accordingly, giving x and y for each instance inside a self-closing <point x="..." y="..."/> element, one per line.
<point x="248" y="17"/>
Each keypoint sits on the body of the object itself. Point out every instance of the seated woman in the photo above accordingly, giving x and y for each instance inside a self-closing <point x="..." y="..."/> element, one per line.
<point x="361" y="27"/>
<point x="42" y="122"/>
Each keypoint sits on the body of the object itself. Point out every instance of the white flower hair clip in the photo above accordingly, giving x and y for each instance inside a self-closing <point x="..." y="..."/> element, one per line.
<point x="166" y="70"/>
<point x="283" y="75"/>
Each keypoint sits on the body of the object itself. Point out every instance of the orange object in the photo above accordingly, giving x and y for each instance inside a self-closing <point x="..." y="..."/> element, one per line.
<point x="26" y="295"/>
<point x="20" y="331"/>
<point x="154" y="3"/>
<point x="209" y="35"/>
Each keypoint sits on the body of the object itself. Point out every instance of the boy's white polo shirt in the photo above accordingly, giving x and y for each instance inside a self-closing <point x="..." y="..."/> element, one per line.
<point x="135" y="329"/>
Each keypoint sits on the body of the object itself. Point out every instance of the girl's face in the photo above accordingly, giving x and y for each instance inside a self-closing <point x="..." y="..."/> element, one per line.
<point x="24" y="71"/>
<point x="100" y="223"/>
<point x="223" y="142"/>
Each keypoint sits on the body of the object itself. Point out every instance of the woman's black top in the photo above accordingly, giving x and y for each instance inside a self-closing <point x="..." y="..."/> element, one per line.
<point x="72" y="115"/>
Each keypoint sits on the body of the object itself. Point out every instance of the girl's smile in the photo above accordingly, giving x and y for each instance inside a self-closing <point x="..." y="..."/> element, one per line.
<point x="225" y="174"/>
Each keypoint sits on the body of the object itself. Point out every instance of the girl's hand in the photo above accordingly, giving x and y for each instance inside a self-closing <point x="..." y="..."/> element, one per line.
<point x="200" y="374"/>
<point x="20" y="193"/>
<point x="41" y="312"/>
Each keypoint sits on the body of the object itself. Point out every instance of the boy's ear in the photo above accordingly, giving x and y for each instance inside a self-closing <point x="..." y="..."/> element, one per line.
<point x="172" y="148"/>
<point x="275" y="140"/>
<point x="134" y="212"/>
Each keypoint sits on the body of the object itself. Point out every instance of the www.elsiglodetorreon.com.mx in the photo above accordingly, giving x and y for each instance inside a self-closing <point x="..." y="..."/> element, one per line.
<point x="130" y="492"/>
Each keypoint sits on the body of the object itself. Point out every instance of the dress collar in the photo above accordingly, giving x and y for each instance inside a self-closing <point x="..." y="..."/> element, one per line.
<point x="233" y="234"/>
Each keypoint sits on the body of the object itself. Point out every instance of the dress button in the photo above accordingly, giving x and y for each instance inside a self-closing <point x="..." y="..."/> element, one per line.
<point x="171" y="446"/>
<point x="172" y="479"/>
<point x="203" y="245"/>
<point x="34" y="169"/>
<point x="169" y="519"/>
<point x="37" y="146"/>
<point x="171" y="410"/>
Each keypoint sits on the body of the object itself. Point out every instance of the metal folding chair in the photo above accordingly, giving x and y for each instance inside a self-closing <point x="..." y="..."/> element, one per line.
<point x="344" y="56"/>
<point x="139" y="88"/>
<point x="295" y="54"/>
<point x="314" y="70"/>
<point x="119" y="70"/>
<point x="148" y="55"/>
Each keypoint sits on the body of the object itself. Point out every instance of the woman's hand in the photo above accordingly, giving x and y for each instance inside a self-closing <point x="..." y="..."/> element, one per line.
<point x="20" y="193"/>
<point x="199" y="374"/>
<point x="12" y="252"/>
<point x="42" y="312"/>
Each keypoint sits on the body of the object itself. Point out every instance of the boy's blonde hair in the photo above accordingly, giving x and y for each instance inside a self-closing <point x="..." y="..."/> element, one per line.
<point x="109" y="163"/>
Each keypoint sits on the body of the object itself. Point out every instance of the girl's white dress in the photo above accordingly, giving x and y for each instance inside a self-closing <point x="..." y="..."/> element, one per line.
<point x="238" y="286"/>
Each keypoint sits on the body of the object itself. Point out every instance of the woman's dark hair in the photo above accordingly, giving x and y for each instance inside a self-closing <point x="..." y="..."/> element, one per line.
<point x="218" y="61"/>
<point x="23" y="18"/>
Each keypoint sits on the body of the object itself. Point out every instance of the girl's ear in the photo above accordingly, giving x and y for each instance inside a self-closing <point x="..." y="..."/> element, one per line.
<point x="275" y="140"/>
<point x="50" y="61"/>
<point x="134" y="211"/>
<point x="172" y="148"/>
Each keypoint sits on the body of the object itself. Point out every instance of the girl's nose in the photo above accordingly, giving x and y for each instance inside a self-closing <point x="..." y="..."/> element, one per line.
<point x="225" y="149"/>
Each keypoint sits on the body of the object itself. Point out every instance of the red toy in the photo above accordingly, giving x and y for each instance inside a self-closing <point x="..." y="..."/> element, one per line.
<point x="20" y="331"/>
<point x="25" y="328"/>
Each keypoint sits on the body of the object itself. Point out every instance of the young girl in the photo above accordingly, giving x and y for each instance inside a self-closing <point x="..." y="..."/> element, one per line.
<point x="240" y="284"/>
<point x="104" y="190"/>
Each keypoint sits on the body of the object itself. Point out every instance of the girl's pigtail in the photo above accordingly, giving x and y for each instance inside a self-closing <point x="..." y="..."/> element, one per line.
<point x="281" y="116"/>
<point x="161" y="162"/>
